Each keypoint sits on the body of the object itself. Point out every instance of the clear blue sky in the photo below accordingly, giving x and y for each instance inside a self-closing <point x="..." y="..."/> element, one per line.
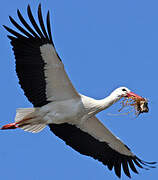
<point x="103" y="44"/>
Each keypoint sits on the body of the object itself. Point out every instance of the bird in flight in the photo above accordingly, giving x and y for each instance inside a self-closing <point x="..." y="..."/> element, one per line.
<point x="70" y="115"/>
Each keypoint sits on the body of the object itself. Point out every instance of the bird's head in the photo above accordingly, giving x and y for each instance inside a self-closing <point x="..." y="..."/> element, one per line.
<point x="139" y="103"/>
<point x="124" y="92"/>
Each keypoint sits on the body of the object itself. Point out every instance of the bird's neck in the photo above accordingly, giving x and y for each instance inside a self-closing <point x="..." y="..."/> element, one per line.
<point x="107" y="102"/>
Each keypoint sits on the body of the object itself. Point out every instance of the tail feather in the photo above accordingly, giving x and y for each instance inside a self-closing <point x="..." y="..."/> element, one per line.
<point x="28" y="120"/>
<point x="34" y="128"/>
<point x="22" y="113"/>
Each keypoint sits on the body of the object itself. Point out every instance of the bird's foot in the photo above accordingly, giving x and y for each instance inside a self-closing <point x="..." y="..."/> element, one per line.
<point x="9" y="126"/>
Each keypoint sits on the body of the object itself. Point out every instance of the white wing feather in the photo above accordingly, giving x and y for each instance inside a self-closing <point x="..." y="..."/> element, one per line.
<point x="96" y="129"/>
<point x="58" y="85"/>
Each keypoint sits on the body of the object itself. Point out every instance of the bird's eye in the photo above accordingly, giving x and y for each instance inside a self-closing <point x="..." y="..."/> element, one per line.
<point x="124" y="90"/>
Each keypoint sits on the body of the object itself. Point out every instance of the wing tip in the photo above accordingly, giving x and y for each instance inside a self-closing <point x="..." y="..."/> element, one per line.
<point x="145" y="163"/>
<point x="39" y="6"/>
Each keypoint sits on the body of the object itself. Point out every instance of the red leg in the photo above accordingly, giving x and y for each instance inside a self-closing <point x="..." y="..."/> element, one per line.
<point x="9" y="126"/>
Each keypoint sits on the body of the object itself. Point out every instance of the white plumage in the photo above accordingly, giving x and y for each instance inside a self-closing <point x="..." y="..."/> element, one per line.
<point x="70" y="115"/>
<point x="58" y="85"/>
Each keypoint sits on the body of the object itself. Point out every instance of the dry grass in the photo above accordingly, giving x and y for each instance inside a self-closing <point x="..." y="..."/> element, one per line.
<point x="139" y="105"/>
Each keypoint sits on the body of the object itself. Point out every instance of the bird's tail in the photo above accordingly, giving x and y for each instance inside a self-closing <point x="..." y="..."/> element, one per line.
<point x="28" y="120"/>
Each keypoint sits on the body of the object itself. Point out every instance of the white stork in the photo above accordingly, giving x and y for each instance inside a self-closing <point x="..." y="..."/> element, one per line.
<point x="70" y="115"/>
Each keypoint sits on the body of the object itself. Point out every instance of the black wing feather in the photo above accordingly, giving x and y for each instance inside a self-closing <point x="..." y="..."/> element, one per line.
<point x="117" y="167"/>
<point x="49" y="28"/>
<point x="130" y="162"/>
<point x="41" y="21"/>
<point x="88" y="145"/>
<point x="19" y="27"/>
<point x="13" y="32"/>
<point x="33" y="22"/>
<point x="26" y="24"/>
<point x="125" y="168"/>
<point x="29" y="63"/>
<point x="110" y="164"/>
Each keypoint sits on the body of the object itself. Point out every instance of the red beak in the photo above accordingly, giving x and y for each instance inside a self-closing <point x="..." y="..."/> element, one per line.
<point x="131" y="94"/>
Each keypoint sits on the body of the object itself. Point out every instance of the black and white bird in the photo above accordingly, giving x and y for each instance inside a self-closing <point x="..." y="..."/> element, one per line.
<point x="70" y="115"/>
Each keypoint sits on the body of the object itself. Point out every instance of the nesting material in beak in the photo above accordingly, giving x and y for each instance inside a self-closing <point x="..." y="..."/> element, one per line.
<point x="139" y="103"/>
<point x="142" y="106"/>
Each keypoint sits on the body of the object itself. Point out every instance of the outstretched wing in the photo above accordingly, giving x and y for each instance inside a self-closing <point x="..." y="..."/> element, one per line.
<point x="93" y="139"/>
<point x="39" y="68"/>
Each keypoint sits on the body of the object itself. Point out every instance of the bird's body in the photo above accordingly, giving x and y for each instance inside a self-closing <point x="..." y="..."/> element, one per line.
<point x="74" y="111"/>
<point x="69" y="114"/>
